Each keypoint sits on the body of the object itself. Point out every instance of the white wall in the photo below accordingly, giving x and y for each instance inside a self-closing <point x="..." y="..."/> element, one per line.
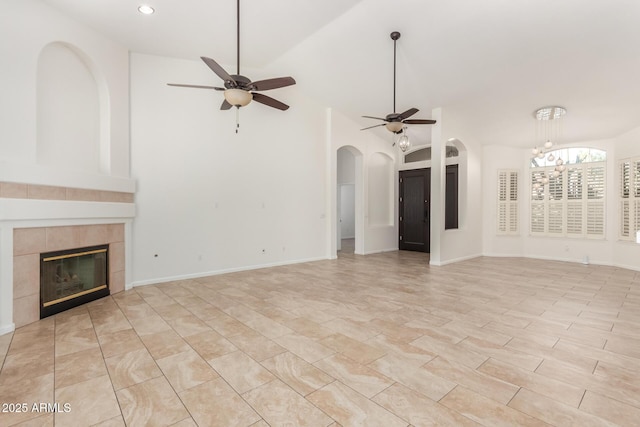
<point x="211" y="200"/>
<point x="27" y="27"/>
<point x="625" y="254"/>
<point x="465" y="242"/>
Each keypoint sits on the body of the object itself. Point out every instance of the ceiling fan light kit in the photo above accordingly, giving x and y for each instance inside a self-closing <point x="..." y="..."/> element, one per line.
<point x="238" y="97"/>
<point x="239" y="90"/>
<point x="395" y="122"/>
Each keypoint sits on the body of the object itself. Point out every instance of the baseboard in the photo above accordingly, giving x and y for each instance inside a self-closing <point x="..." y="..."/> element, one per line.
<point x="572" y="260"/>
<point x="379" y="251"/>
<point x="6" y="329"/>
<point x="219" y="272"/>
<point x="452" y="261"/>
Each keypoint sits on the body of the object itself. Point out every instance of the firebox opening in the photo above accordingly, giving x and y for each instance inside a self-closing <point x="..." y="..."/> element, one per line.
<point x="73" y="277"/>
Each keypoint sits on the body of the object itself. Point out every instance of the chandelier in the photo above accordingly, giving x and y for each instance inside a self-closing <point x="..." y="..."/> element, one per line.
<point x="403" y="142"/>
<point x="548" y="130"/>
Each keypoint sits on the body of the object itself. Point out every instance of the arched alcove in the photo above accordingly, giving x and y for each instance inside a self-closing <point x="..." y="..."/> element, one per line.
<point x="381" y="189"/>
<point x="72" y="105"/>
<point x="349" y="197"/>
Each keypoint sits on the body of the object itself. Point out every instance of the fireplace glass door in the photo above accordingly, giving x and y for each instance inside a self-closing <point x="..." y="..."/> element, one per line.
<point x="72" y="277"/>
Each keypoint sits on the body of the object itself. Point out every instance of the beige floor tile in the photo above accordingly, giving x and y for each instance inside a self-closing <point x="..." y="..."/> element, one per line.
<point x="553" y="412"/>
<point x="210" y="344"/>
<point x="90" y="402"/>
<point x="409" y="353"/>
<point x="46" y="420"/>
<point x="419" y="410"/>
<point x="472" y="379"/>
<point x="297" y="373"/>
<point x="132" y="368"/>
<point x="562" y="392"/>
<point x="350" y="408"/>
<point x="475" y="323"/>
<point x="151" y="403"/>
<point x="505" y="354"/>
<point x="355" y="350"/>
<point x="486" y="411"/>
<point x="186" y="370"/>
<point x="280" y="405"/>
<point x="304" y="347"/>
<point x="610" y="409"/>
<point x="73" y="320"/>
<point x="362" y="379"/>
<point x="24" y="365"/>
<point x="577" y="360"/>
<point x="164" y="344"/>
<point x="71" y="342"/>
<point x="115" y="343"/>
<point x="240" y="371"/>
<point x="150" y="324"/>
<point x="257" y="321"/>
<point x="215" y="403"/>
<point x="188" y="325"/>
<point x="624" y="392"/>
<point x="172" y="311"/>
<point x="188" y="422"/>
<point x="113" y="422"/>
<point x="357" y="331"/>
<point x="36" y="389"/>
<point x="308" y="328"/>
<point x="204" y="311"/>
<point x="226" y="325"/>
<point x="257" y="346"/>
<point x="450" y="351"/>
<point x="78" y="367"/>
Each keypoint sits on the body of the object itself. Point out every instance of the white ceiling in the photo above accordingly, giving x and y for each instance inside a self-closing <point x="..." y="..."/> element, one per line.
<point x="493" y="61"/>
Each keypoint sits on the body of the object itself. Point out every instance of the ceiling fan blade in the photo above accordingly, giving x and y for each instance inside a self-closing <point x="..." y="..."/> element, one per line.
<point x="273" y="83"/>
<point x="374" y="126"/>
<point x="216" y="68"/>
<point x="419" y="122"/>
<point x="225" y="105"/>
<point x="196" y="86"/>
<point x="376" y="118"/>
<point x="266" y="100"/>
<point x="410" y="112"/>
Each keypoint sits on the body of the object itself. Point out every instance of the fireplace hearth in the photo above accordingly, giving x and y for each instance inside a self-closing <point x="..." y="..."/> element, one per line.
<point x="73" y="277"/>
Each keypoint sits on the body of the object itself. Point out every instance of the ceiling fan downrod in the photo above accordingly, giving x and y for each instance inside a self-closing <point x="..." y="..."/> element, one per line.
<point x="394" y="36"/>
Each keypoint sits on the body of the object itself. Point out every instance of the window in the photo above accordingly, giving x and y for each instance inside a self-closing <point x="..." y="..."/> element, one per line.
<point x="507" y="202"/>
<point x="451" y="198"/>
<point x="629" y="198"/>
<point x="571" y="202"/>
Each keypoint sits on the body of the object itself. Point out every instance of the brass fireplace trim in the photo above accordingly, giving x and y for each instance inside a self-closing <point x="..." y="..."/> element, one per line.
<point x="79" y="294"/>
<point x="75" y="254"/>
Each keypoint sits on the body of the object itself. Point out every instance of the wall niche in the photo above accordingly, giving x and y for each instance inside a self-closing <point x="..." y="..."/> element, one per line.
<point x="71" y="99"/>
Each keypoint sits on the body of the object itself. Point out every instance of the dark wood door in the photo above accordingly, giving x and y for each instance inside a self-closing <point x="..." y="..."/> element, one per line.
<point x="415" y="196"/>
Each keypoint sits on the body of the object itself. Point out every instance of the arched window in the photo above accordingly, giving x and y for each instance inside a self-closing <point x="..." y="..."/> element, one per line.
<point x="568" y="193"/>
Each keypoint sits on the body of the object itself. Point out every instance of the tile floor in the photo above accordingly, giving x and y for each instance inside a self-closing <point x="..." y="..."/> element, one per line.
<point x="359" y="341"/>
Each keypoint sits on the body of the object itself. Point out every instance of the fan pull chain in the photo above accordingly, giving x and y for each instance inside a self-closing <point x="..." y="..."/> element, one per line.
<point x="237" y="119"/>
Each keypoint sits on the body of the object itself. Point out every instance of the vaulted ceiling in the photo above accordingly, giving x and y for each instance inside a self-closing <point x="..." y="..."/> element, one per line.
<point x="493" y="61"/>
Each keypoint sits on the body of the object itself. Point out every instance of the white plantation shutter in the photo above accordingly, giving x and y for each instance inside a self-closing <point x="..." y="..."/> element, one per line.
<point x="507" y="215"/>
<point x="573" y="203"/>
<point x="629" y="198"/>
<point x="574" y="219"/>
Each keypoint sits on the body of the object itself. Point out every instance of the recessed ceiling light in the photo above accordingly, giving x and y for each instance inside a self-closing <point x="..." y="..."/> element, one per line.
<point x="146" y="9"/>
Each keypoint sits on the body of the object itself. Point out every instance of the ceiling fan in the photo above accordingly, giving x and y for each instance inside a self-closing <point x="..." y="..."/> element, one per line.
<point x="238" y="89"/>
<point x="395" y="122"/>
